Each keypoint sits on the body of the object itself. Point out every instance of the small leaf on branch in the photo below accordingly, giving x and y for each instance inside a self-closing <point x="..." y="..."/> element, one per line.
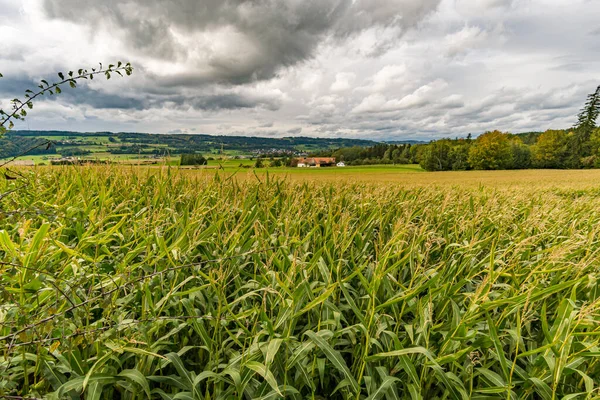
<point x="71" y="74"/>
<point x="45" y="82"/>
<point x="61" y="76"/>
<point x="57" y="89"/>
<point x="73" y="84"/>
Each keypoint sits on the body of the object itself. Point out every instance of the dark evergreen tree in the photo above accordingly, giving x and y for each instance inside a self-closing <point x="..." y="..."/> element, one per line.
<point x="586" y="120"/>
<point x="578" y="142"/>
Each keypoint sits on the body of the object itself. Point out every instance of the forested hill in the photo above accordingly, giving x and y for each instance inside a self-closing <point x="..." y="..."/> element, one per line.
<point x="70" y="143"/>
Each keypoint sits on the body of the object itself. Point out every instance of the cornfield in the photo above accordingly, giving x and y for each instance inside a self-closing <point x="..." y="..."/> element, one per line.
<point x="138" y="284"/>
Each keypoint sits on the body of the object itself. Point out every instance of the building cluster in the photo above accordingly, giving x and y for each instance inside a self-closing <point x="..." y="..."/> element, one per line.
<point x="277" y="152"/>
<point x="319" y="162"/>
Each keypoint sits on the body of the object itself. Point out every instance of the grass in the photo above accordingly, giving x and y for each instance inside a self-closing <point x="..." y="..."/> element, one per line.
<point x="135" y="283"/>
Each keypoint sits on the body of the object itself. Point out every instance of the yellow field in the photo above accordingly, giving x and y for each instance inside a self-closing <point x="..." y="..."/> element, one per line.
<point x="539" y="179"/>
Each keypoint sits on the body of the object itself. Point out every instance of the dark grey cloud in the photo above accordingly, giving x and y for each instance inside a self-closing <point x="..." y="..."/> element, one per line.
<point x="238" y="41"/>
<point x="232" y="101"/>
<point x="15" y="87"/>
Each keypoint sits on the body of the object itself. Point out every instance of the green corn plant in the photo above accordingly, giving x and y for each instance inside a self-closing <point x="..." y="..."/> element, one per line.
<point x="154" y="283"/>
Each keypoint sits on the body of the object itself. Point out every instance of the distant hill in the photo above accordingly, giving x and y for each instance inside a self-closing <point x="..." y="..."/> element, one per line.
<point x="406" y="141"/>
<point x="102" y="143"/>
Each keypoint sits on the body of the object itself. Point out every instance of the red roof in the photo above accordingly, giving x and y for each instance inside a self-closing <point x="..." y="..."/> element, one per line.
<point x="317" y="160"/>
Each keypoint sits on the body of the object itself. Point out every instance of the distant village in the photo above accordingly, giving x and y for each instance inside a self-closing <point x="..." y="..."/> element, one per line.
<point x="318" y="162"/>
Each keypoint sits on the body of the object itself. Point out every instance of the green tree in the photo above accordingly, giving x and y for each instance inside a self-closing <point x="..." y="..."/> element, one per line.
<point x="436" y="156"/>
<point x="459" y="156"/>
<point x="595" y="142"/>
<point x="594" y="159"/>
<point x="388" y="155"/>
<point x="192" y="159"/>
<point x="259" y="163"/>
<point x="550" y="149"/>
<point x="578" y="145"/>
<point x="577" y="148"/>
<point x="492" y="150"/>
<point x="520" y="154"/>
<point x="586" y="120"/>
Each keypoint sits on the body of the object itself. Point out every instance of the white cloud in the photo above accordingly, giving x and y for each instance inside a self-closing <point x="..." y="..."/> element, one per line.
<point x="423" y="96"/>
<point x="469" y="37"/>
<point x="378" y="69"/>
<point x="343" y="81"/>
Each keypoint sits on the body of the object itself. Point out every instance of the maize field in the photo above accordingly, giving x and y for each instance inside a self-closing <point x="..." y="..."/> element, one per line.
<point x="131" y="283"/>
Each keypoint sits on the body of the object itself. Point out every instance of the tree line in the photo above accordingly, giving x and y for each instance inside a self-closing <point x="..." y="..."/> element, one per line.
<point x="379" y="154"/>
<point x="578" y="147"/>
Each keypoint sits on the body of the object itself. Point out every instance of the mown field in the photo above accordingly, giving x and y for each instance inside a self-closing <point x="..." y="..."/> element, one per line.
<point x="136" y="283"/>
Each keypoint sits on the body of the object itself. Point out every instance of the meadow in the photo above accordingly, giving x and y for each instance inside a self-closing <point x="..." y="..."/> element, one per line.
<point x="368" y="283"/>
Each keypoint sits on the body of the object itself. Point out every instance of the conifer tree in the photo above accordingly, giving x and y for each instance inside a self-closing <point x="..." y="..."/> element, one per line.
<point x="586" y="120"/>
<point x="578" y="141"/>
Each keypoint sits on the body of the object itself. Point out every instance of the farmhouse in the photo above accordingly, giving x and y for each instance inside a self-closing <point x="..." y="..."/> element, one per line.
<point x="316" y="162"/>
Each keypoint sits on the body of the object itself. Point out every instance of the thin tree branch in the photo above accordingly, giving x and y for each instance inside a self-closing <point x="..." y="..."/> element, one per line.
<point x="71" y="80"/>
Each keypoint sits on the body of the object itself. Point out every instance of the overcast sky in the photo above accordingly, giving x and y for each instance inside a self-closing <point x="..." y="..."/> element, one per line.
<point x="377" y="69"/>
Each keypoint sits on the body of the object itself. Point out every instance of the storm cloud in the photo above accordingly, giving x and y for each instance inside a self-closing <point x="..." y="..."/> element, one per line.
<point x="238" y="41"/>
<point x="377" y="69"/>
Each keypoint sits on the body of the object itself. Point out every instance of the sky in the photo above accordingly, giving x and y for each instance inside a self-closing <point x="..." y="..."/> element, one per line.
<point x="374" y="69"/>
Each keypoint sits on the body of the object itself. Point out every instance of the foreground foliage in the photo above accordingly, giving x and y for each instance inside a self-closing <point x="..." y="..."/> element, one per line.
<point x="135" y="284"/>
